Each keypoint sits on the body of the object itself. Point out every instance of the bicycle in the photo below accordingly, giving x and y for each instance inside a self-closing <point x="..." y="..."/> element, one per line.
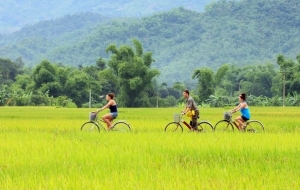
<point x="95" y="124"/>
<point x="175" y="126"/>
<point x="252" y="126"/>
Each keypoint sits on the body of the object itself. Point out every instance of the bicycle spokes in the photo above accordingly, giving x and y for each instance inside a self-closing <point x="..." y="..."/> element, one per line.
<point x="121" y="127"/>
<point x="205" y="127"/>
<point x="254" y="127"/>
<point x="173" y="127"/>
<point x="223" y="125"/>
<point x="90" y="126"/>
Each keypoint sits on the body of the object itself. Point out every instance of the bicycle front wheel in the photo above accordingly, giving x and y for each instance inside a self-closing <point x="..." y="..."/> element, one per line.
<point x="174" y="127"/>
<point x="121" y="127"/>
<point x="90" y="126"/>
<point x="223" y="125"/>
<point x="254" y="127"/>
<point x="205" y="127"/>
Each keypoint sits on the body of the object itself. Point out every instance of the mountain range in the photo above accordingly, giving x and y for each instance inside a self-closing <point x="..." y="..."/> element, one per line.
<point x="182" y="40"/>
<point x="15" y="14"/>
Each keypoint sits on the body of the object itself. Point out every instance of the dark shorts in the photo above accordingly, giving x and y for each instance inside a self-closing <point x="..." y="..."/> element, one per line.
<point x="194" y="121"/>
<point x="244" y="118"/>
<point x="114" y="115"/>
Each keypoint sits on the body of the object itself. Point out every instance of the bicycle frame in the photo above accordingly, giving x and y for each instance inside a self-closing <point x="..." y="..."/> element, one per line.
<point x="100" y="122"/>
<point x="235" y="124"/>
<point x="227" y="123"/>
<point x="186" y="124"/>
<point x="203" y="126"/>
<point x="97" y="123"/>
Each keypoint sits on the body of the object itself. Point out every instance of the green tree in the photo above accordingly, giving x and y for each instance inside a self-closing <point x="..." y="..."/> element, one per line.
<point x="46" y="79"/>
<point x="257" y="80"/>
<point x="23" y="82"/>
<point x="205" y="83"/>
<point x="290" y="72"/>
<point x="9" y="70"/>
<point x="132" y="69"/>
<point x="170" y="101"/>
<point x="5" y="95"/>
<point x="77" y="87"/>
<point x="108" y="80"/>
<point x="220" y="74"/>
<point x="101" y="64"/>
<point x="285" y="65"/>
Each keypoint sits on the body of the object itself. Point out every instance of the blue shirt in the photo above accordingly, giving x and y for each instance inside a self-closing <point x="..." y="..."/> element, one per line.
<point x="245" y="112"/>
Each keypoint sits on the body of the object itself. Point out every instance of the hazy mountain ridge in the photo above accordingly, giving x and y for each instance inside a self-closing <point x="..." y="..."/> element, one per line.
<point x="15" y="14"/>
<point x="246" y="32"/>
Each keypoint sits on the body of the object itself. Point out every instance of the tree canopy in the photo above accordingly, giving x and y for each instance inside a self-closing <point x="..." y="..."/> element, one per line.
<point x="130" y="75"/>
<point x="133" y="73"/>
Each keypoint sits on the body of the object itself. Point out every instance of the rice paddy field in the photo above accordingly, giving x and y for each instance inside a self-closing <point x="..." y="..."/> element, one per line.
<point x="43" y="148"/>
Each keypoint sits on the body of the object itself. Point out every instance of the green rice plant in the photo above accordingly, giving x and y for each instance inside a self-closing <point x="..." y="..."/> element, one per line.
<point x="43" y="148"/>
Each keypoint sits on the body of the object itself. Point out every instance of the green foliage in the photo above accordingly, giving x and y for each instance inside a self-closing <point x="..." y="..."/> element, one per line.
<point x="219" y="101"/>
<point x="21" y="99"/>
<point x="77" y="87"/>
<point x="9" y="70"/>
<point x="290" y="72"/>
<point x="23" y="82"/>
<point x="135" y="83"/>
<point x="44" y="73"/>
<point x="64" y="101"/>
<point x="5" y="95"/>
<point x="221" y="73"/>
<point x="40" y="99"/>
<point x="206" y="84"/>
<point x="132" y="72"/>
<point x="262" y="83"/>
<point x="71" y="104"/>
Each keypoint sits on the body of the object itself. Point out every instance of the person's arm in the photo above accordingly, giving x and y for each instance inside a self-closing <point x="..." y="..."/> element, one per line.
<point x="185" y="110"/>
<point x="187" y="107"/>
<point x="237" y="108"/>
<point x="104" y="107"/>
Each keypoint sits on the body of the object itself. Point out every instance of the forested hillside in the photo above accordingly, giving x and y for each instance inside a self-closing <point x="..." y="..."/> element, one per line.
<point x="15" y="14"/>
<point x="241" y="33"/>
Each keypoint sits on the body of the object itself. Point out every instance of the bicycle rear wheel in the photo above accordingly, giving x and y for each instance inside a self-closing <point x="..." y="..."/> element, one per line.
<point x="254" y="127"/>
<point x="205" y="127"/>
<point x="174" y="127"/>
<point x="121" y="127"/>
<point x="223" y="125"/>
<point x="90" y="126"/>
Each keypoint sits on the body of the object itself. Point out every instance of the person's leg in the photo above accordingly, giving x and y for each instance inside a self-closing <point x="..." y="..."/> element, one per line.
<point x="113" y="115"/>
<point x="240" y="122"/>
<point x="195" y="121"/>
<point x="111" y="123"/>
<point x="107" y="118"/>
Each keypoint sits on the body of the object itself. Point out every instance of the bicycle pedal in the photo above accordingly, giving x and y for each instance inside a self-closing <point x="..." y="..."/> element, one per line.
<point x="251" y="130"/>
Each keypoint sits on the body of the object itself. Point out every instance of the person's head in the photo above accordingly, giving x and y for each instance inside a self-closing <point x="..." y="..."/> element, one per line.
<point x="242" y="97"/>
<point x="110" y="96"/>
<point x="186" y="93"/>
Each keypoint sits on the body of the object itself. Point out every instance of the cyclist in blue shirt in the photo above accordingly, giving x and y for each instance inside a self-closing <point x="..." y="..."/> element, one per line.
<point x="245" y="112"/>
